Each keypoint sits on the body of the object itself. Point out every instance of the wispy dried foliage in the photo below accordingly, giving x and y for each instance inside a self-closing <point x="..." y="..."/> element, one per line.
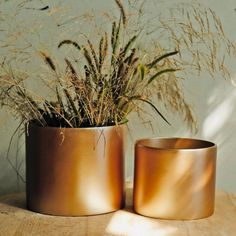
<point x="113" y="76"/>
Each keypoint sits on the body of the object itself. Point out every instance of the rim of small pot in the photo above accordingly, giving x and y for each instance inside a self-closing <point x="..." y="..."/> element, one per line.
<point x="146" y="143"/>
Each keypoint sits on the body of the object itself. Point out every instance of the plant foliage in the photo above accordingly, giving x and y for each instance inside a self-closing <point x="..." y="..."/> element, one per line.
<point x="117" y="76"/>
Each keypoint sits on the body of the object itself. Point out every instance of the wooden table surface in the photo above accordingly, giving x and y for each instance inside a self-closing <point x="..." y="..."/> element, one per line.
<point x="16" y="220"/>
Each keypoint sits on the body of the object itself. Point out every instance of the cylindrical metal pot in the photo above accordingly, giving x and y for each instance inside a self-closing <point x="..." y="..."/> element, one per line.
<point x="75" y="171"/>
<point x="174" y="178"/>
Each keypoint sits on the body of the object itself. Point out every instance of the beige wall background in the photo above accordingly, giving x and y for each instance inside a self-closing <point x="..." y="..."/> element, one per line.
<point x="213" y="100"/>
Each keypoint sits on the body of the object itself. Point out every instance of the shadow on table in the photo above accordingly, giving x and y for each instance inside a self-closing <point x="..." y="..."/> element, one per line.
<point x="16" y="200"/>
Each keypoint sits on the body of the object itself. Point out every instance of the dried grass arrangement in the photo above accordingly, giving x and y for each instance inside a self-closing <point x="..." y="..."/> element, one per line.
<point x="117" y="75"/>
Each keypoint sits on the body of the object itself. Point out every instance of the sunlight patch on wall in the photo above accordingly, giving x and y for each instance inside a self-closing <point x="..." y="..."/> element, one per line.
<point x="219" y="116"/>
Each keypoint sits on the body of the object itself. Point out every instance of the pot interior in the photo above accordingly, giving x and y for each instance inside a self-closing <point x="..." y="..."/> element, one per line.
<point x="174" y="143"/>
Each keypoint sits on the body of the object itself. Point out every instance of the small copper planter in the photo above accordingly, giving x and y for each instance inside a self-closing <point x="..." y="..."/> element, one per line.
<point x="174" y="178"/>
<point x="74" y="171"/>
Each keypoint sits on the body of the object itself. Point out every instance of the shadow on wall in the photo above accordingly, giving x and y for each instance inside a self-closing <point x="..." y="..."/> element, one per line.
<point x="9" y="180"/>
<point x="12" y="165"/>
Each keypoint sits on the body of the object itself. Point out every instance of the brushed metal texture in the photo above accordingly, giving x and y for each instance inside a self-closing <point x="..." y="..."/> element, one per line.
<point x="174" y="178"/>
<point x="75" y="171"/>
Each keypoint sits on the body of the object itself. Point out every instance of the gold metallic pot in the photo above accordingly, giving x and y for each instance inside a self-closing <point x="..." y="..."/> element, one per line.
<point x="174" y="178"/>
<point x="74" y="171"/>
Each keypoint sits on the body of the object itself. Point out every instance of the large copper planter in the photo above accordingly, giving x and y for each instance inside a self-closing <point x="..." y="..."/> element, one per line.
<point x="174" y="178"/>
<point x="74" y="171"/>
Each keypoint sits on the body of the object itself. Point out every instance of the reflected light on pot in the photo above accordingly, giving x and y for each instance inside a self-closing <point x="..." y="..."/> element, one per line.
<point x="96" y="200"/>
<point x="174" y="178"/>
<point x="205" y="178"/>
<point x="126" y="223"/>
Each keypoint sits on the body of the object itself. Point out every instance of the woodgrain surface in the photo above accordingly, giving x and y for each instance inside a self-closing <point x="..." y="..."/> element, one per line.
<point x="16" y="220"/>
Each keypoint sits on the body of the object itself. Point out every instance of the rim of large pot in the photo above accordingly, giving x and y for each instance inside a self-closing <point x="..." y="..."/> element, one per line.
<point x="146" y="143"/>
<point x="30" y="124"/>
